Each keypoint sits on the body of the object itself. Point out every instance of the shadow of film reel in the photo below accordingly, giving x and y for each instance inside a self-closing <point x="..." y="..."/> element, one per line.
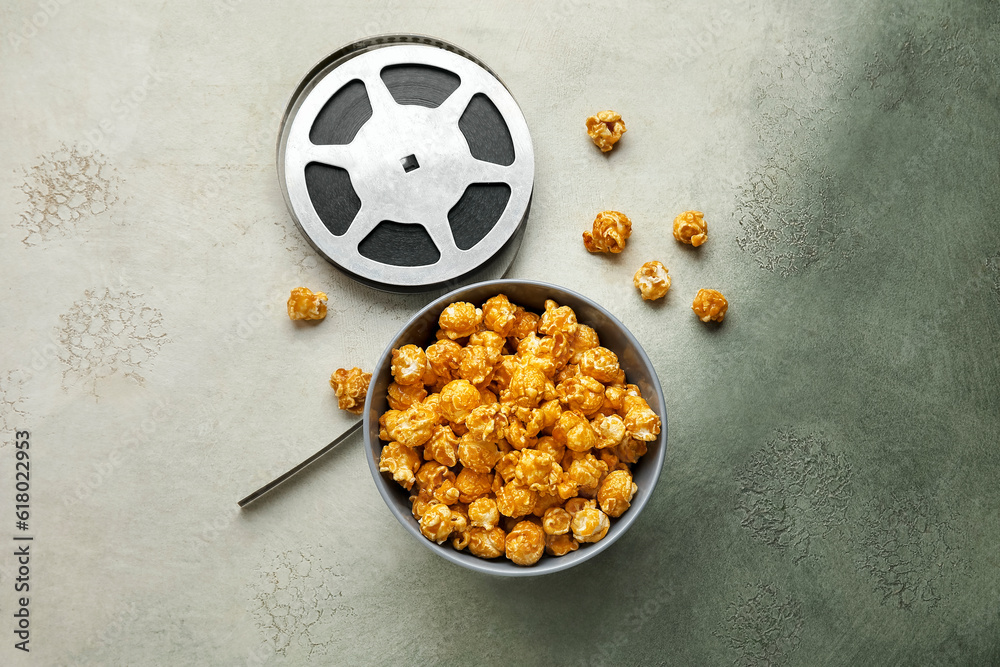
<point x="407" y="164"/>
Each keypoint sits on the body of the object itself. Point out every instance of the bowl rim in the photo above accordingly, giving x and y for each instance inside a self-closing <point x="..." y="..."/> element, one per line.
<point x="507" y="568"/>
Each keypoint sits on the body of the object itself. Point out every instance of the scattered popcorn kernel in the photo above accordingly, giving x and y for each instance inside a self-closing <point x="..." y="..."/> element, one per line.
<point x="605" y="129"/>
<point x="652" y="280"/>
<point x="458" y="399"/>
<point x="409" y="365"/>
<point x="610" y="231"/>
<point x="473" y="485"/>
<point x="590" y="525"/>
<point x="556" y="521"/>
<point x="487" y="543"/>
<point x="460" y="320"/>
<point x="499" y="315"/>
<point x="402" y="462"/>
<point x="483" y="513"/>
<point x="710" y="305"/>
<point x="690" y="228"/>
<point x="560" y="545"/>
<point x="402" y="396"/>
<point x="351" y="388"/>
<point x="304" y="304"/>
<point x="526" y="543"/>
<point x="601" y="364"/>
<point x="615" y="494"/>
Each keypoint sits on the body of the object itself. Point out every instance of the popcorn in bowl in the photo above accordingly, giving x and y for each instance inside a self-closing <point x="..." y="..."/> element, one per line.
<point x="517" y="439"/>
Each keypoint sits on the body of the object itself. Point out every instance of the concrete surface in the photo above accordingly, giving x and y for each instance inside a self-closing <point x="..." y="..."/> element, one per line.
<point x="830" y="493"/>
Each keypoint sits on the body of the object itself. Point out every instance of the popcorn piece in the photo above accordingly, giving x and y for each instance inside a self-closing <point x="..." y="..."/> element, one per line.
<point x="601" y="364"/>
<point x="411" y="427"/>
<point x="590" y="525"/>
<point x="473" y="485"/>
<point x="444" y="357"/>
<point x="547" y="501"/>
<point x="690" y="228"/>
<point x="487" y="543"/>
<point x="458" y="399"/>
<point x="652" y="280"/>
<point x="483" y="513"/>
<point x="524" y="323"/>
<point x="574" y="431"/>
<point x="611" y="431"/>
<point x="549" y="445"/>
<point x="538" y="470"/>
<point x="586" y="338"/>
<point x="460" y="320"/>
<point x="560" y="545"/>
<point x="630" y="450"/>
<point x="515" y="500"/>
<point x="709" y="305"/>
<point x="582" y="393"/>
<point x="556" y="521"/>
<point x="526" y="543"/>
<point x="558" y="318"/>
<point x="575" y="505"/>
<point x="477" y="364"/>
<point x="616" y="492"/>
<point x="402" y="396"/>
<point x="436" y="524"/>
<point x="304" y="304"/>
<point x="527" y="387"/>
<point x="499" y="315"/>
<point x="506" y="468"/>
<point x="443" y="446"/>
<point x="587" y="473"/>
<point x="409" y="365"/>
<point x="605" y="129"/>
<point x="611" y="229"/>
<point x="487" y="422"/>
<point x="402" y="462"/>
<point x="543" y="418"/>
<point x="478" y="455"/>
<point x="351" y="388"/>
<point x="640" y="420"/>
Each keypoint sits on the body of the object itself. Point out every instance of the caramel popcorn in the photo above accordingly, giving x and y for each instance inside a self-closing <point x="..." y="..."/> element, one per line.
<point x="605" y="128"/>
<point x="351" y="388"/>
<point x="514" y="432"/>
<point x="526" y="543"/>
<point x="500" y="315"/>
<point x="460" y="320"/>
<point x="409" y="365"/>
<point x="710" y="305"/>
<point x="690" y="228"/>
<point x="610" y="231"/>
<point x="402" y="462"/>
<point x="590" y="525"/>
<point x="615" y="494"/>
<point x="304" y="304"/>
<point x="652" y="280"/>
<point x="487" y="543"/>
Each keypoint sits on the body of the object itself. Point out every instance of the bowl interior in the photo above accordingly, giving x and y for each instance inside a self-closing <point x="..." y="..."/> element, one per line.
<point x="531" y="295"/>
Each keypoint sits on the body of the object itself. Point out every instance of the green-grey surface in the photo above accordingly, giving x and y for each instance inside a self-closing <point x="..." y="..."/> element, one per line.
<point x="830" y="492"/>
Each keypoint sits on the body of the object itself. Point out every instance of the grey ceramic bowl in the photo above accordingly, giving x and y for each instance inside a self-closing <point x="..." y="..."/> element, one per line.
<point x="532" y="295"/>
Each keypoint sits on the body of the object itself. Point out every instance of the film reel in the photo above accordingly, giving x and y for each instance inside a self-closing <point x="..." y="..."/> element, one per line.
<point x="407" y="164"/>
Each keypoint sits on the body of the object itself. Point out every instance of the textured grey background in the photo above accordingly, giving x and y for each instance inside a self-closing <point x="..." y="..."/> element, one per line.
<point x="830" y="492"/>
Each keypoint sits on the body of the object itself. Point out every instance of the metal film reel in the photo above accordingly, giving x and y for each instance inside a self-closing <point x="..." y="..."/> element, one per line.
<point x="407" y="164"/>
